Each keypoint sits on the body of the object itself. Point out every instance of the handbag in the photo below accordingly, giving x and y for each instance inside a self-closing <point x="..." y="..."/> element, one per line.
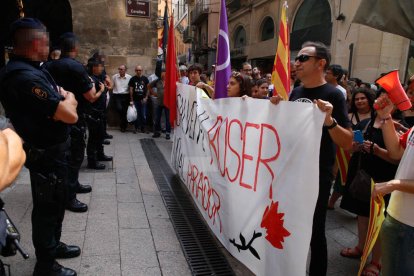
<point x="360" y="187"/>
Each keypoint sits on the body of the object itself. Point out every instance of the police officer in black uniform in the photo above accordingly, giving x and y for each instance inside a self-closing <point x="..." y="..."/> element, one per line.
<point x="72" y="76"/>
<point x="40" y="112"/>
<point x="95" y="148"/>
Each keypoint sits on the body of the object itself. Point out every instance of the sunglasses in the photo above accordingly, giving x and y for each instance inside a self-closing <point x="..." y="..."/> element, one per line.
<point x="304" y="58"/>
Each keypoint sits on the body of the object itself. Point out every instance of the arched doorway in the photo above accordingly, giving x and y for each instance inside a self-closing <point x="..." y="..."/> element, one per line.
<point x="312" y="22"/>
<point x="55" y="14"/>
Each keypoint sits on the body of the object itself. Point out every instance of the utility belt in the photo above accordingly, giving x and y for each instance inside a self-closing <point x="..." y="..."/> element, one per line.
<point x="39" y="157"/>
<point x="93" y="115"/>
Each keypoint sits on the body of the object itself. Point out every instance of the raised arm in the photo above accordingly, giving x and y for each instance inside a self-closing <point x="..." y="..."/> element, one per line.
<point x="341" y="136"/>
<point x="391" y="138"/>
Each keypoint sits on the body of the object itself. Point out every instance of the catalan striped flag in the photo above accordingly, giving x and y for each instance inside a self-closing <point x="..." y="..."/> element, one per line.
<point x="281" y="67"/>
<point x="342" y="158"/>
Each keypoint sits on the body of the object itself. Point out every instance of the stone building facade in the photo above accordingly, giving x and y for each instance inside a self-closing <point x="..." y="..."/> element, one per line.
<point x="366" y="52"/>
<point x="104" y="25"/>
<point x="204" y="19"/>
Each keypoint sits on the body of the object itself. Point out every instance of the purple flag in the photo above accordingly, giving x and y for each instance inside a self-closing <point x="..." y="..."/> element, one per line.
<point x="223" y="67"/>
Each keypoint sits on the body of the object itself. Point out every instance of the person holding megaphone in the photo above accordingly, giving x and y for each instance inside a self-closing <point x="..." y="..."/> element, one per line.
<point x="397" y="232"/>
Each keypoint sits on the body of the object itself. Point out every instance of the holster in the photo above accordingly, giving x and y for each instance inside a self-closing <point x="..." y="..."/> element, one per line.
<point x="78" y="131"/>
<point x="48" y="189"/>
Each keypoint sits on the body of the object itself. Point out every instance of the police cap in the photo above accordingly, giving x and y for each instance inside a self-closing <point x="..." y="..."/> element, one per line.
<point x="26" y="23"/>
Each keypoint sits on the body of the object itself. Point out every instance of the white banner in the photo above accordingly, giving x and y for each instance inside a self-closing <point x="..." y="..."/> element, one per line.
<point x="252" y="168"/>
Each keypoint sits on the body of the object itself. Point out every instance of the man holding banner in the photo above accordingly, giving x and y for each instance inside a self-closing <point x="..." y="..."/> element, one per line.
<point x="397" y="232"/>
<point x="310" y="64"/>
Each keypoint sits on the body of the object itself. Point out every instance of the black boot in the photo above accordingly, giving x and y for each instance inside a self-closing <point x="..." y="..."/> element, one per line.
<point x="64" y="251"/>
<point x="83" y="189"/>
<point x="76" y="206"/>
<point x="95" y="165"/>
<point x="55" y="270"/>
<point x="103" y="157"/>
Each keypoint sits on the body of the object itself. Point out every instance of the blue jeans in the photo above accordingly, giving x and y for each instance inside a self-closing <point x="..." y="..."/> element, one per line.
<point x="157" y="125"/>
<point x="397" y="246"/>
<point x="141" y="114"/>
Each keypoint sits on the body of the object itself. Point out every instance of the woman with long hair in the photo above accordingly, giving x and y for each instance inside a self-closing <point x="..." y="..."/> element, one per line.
<point x="239" y="85"/>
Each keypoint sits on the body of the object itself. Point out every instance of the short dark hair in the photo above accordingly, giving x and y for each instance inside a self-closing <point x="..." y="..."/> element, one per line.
<point x="337" y="71"/>
<point x="259" y="82"/>
<point x="321" y="49"/>
<point x="195" y="67"/>
<point x="68" y="43"/>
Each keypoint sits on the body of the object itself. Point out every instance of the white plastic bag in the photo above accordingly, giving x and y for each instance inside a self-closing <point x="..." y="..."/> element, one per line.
<point x="132" y="114"/>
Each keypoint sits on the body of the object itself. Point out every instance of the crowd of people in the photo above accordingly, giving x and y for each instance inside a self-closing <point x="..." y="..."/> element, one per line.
<point x="53" y="101"/>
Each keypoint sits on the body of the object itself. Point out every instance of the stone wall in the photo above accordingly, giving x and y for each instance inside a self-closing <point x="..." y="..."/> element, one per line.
<point x="103" y="25"/>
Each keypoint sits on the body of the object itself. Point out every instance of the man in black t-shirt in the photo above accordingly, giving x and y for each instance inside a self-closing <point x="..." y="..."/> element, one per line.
<point x="310" y="65"/>
<point x="138" y="96"/>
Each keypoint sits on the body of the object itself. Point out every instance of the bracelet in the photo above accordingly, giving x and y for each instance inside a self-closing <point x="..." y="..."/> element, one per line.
<point x="334" y="124"/>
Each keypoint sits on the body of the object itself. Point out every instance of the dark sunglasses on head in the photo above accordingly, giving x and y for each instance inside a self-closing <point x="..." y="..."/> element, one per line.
<point x="235" y="74"/>
<point x="304" y="58"/>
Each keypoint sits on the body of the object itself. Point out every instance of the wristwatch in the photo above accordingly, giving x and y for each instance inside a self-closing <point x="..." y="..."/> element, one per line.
<point x="334" y="124"/>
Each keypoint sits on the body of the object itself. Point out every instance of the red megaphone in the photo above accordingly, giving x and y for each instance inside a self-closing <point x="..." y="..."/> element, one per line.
<point x="391" y="83"/>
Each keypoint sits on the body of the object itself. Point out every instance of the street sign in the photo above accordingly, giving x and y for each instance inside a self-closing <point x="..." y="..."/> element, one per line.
<point x="140" y="8"/>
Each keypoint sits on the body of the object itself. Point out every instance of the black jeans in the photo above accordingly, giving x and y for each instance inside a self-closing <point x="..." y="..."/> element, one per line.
<point x="121" y="103"/>
<point x="77" y="154"/>
<point x="48" y="178"/>
<point x="319" y="251"/>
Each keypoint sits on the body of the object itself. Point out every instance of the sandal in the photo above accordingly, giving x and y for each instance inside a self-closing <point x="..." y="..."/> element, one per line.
<point x="372" y="269"/>
<point x="353" y="253"/>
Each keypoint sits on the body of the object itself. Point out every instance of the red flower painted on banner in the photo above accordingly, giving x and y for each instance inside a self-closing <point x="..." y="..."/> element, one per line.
<point x="273" y="221"/>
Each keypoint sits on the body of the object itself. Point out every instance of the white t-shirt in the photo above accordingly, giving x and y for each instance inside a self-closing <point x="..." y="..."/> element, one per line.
<point x="343" y="90"/>
<point x="120" y="84"/>
<point x="401" y="206"/>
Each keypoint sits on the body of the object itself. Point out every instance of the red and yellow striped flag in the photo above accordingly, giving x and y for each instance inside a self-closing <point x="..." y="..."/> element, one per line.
<point x="342" y="158"/>
<point x="281" y="67"/>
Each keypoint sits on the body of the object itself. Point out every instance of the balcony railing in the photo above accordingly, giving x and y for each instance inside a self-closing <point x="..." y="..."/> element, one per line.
<point x="200" y="11"/>
<point x="233" y="5"/>
<point x="238" y="52"/>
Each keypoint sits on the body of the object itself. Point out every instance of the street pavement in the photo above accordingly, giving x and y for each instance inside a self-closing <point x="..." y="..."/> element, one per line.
<point x="127" y="229"/>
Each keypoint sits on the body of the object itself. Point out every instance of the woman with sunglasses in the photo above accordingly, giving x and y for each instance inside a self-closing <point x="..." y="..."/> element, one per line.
<point x="239" y="85"/>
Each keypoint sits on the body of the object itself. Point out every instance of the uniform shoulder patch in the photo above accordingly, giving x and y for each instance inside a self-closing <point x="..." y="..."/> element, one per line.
<point x="39" y="92"/>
